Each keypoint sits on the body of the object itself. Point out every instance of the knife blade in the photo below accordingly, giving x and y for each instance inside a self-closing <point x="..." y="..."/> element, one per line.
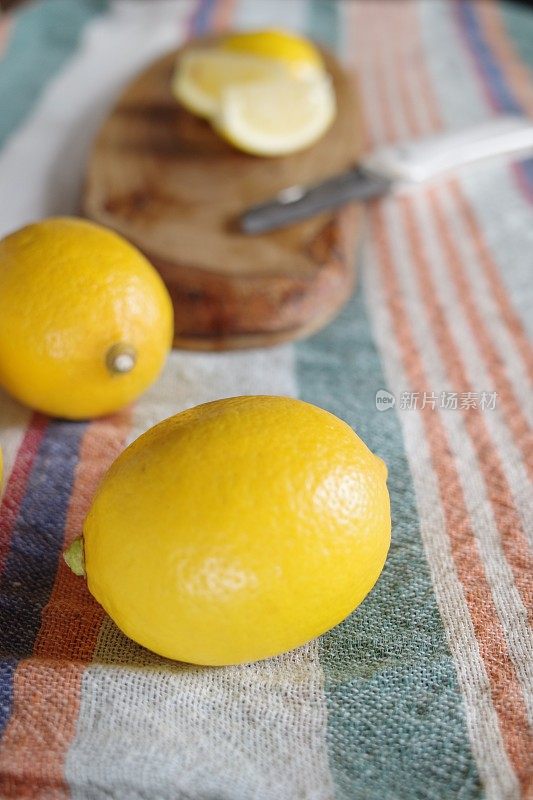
<point x="393" y="168"/>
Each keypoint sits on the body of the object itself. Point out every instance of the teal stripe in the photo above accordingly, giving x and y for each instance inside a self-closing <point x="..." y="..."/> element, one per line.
<point x="519" y="24"/>
<point x="324" y="27"/>
<point x="396" y="726"/>
<point x="43" y="37"/>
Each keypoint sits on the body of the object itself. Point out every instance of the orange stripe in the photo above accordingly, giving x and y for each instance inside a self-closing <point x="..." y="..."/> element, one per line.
<point x="494" y="280"/>
<point x="47" y="686"/>
<point x="506" y="692"/>
<point x="5" y="27"/>
<point x="400" y="20"/>
<point x="18" y="479"/>
<point x="375" y="23"/>
<point x="43" y="723"/>
<point x="223" y="15"/>
<point x="505" y="688"/>
<point x="516" y="74"/>
<point x="515" y="418"/>
<point x="514" y="543"/>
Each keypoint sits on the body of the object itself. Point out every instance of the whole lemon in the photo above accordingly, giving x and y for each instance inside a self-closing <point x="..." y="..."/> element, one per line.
<point x="237" y="530"/>
<point x="85" y="320"/>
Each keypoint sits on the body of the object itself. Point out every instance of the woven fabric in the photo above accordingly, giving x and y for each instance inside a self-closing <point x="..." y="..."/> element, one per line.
<point x="425" y="692"/>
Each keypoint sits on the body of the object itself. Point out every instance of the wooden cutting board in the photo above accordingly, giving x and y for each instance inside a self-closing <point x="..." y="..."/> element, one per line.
<point x="163" y="178"/>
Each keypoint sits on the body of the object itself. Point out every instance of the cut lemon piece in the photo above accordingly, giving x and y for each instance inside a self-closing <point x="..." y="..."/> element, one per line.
<point x="299" y="54"/>
<point x="202" y="75"/>
<point x="276" y="117"/>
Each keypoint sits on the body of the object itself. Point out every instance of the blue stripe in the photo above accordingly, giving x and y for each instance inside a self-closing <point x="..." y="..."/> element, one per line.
<point x="36" y="545"/>
<point x="527" y="169"/>
<point x="7" y="672"/>
<point x="202" y="17"/>
<point x="502" y="97"/>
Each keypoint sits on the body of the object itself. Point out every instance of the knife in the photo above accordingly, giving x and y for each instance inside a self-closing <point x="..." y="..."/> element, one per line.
<point x="393" y="168"/>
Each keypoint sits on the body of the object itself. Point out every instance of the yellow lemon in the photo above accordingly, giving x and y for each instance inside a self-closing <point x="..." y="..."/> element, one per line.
<point x="85" y="321"/>
<point x="237" y="530"/>
<point x="277" y="117"/>
<point x="266" y="92"/>
<point x="203" y="75"/>
<point x="297" y="53"/>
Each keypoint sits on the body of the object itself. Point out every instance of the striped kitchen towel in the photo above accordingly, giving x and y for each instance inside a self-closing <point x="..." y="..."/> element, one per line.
<point x="425" y="693"/>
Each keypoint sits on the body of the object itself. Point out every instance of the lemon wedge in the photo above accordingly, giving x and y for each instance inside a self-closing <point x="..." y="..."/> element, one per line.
<point x="203" y="74"/>
<point x="299" y="55"/>
<point x="278" y="116"/>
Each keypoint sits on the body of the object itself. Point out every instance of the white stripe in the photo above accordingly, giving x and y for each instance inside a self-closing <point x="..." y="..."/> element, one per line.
<point x="193" y="378"/>
<point x="42" y="166"/>
<point x="482" y="722"/>
<point x="14" y="420"/>
<point x="507" y="224"/>
<point x="507" y="600"/>
<point x="451" y="70"/>
<point x="201" y="732"/>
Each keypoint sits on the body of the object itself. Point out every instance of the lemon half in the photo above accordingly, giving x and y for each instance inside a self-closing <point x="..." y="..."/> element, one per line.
<point x="204" y="74"/>
<point x="277" y="117"/>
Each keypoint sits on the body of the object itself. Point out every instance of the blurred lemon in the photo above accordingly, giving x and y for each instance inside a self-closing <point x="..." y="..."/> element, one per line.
<point x="296" y="53"/>
<point x="277" y="117"/>
<point x="204" y="74"/>
<point x="85" y="321"/>
<point x="237" y="530"/>
<point x="266" y="92"/>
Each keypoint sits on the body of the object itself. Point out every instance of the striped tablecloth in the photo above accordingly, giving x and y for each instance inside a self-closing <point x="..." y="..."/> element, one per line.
<point x="425" y="691"/>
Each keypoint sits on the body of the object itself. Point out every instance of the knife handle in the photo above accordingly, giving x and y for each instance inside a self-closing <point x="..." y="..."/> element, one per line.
<point x="420" y="160"/>
<point x="297" y="202"/>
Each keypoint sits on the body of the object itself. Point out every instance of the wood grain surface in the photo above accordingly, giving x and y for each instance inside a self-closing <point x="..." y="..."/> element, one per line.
<point x="161" y="177"/>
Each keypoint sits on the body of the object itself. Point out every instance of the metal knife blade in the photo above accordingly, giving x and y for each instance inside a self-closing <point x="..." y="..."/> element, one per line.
<point x="393" y="167"/>
<point x="296" y="203"/>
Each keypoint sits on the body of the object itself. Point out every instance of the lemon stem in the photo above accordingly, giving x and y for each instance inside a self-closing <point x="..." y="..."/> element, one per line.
<point x="120" y="359"/>
<point x="74" y="557"/>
